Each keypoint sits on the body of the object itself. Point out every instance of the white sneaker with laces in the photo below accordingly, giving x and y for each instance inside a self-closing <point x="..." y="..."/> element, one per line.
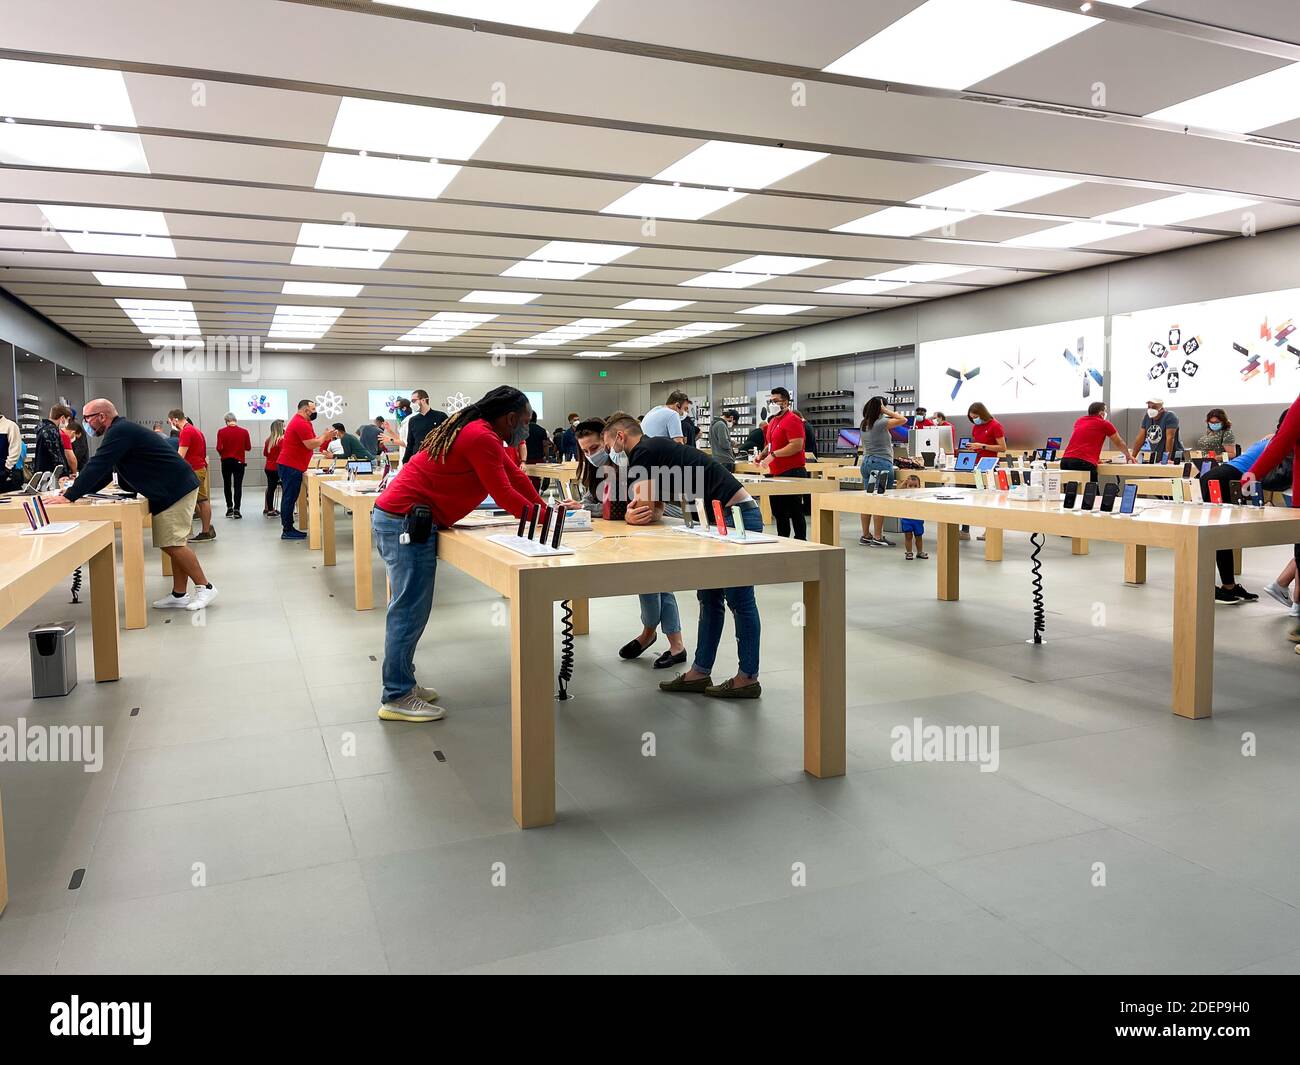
<point x="410" y="707"/>
<point x="202" y="598"/>
<point x="1282" y="595"/>
<point x="171" y="602"/>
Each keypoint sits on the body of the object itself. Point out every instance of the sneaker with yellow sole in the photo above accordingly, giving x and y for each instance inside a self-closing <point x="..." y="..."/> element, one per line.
<point x="410" y="707"/>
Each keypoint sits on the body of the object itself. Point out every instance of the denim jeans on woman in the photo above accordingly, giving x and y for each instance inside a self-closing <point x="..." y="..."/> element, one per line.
<point x="659" y="610"/>
<point x="744" y="608"/>
<point x="411" y="569"/>
<point x="881" y="467"/>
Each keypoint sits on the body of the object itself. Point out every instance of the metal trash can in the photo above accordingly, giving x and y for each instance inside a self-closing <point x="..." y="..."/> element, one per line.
<point x="54" y="659"/>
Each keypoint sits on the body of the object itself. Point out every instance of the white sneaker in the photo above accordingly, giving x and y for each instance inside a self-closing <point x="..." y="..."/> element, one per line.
<point x="170" y="602"/>
<point x="202" y="598"/>
<point x="1295" y="610"/>
<point x="410" y="707"/>
<point x="429" y="695"/>
<point x="1282" y="595"/>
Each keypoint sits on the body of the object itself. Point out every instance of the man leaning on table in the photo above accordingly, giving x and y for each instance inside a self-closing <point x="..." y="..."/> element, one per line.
<point x="165" y="479"/>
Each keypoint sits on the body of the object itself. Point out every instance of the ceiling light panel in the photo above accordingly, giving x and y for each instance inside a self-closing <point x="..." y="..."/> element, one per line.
<point x="1070" y="235"/>
<point x="752" y="270"/>
<point x="904" y="221"/>
<point x="64" y="94"/>
<point x="61" y="148"/>
<point x="561" y="16"/>
<point x="139" y="280"/>
<point x="574" y="331"/>
<point x="1256" y="103"/>
<point x="991" y="191"/>
<point x="495" y="296"/>
<point x="920" y="272"/>
<point x="445" y="325"/>
<point x="421" y="180"/>
<point x="161" y="316"/>
<point x="302" y="321"/>
<point x="1174" y="209"/>
<point x="654" y="305"/>
<point x="409" y="129"/>
<point x="681" y="332"/>
<point x="953" y="44"/>
<point x="356" y="247"/>
<point x="776" y="309"/>
<point x="594" y="354"/>
<point x="319" y="288"/>
<point x="864" y="287"/>
<point x="111" y="230"/>
<point x="566" y="260"/>
<point x="288" y="347"/>
<point x="405" y="348"/>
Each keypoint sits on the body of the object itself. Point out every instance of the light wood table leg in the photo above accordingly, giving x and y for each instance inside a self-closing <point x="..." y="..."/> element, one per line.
<point x="301" y="506"/>
<point x="312" y="488"/>
<point x="1236" y="561"/>
<point x="137" y="609"/>
<point x="362" y="560"/>
<point x="1078" y="545"/>
<point x="825" y="525"/>
<point x="949" y="566"/>
<point x="103" y="613"/>
<point x="765" y="507"/>
<point x="532" y="709"/>
<point x="992" y="545"/>
<point x="1193" y="667"/>
<point x="1135" y="563"/>
<point x="166" y="563"/>
<point x="581" y="616"/>
<point x="327" y="532"/>
<point x="823" y="671"/>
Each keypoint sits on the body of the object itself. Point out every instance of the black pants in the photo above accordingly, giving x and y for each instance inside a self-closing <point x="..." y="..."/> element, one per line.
<point x="272" y="483"/>
<point x="232" y="475"/>
<point x="1225" y="475"/>
<point x="789" y="510"/>
<point x="1080" y="466"/>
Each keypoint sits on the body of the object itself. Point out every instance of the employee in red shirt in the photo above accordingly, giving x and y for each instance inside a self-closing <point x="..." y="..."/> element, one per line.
<point x="271" y="466"/>
<point x="1083" y="451"/>
<point x="193" y="448"/>
<point x="295" y="456"/>
<point x="233" y="445"/>
<point x="783" y="456"/>
<point x="1286" y="441"/>
<point x="988" y="440"/>
<point x="461" y="462"/>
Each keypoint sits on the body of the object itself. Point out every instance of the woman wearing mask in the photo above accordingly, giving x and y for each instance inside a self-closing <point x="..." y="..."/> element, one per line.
<point x="658" y="609"/>
<point x="271" y="450"/>
<point x="877" y="462"/>
<point x="464" y="459"/>
<point x="988" y="439"/>
<point x="1218" y="435"/>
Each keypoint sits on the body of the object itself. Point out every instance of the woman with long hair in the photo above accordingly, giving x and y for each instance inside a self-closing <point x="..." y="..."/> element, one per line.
<point x="877" y="459"/>
<point x="462" y="461"/>
<point x="658" y="609"/>
<point x="988" y="440"/>
<point x="271" y="451"/>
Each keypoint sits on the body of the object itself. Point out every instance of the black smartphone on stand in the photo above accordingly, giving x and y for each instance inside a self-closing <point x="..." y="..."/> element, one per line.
<point x="1089" y="495"/>
<point x="1234" y="493"/>
<point x="1071" y="492"/>
<point x="1108" y="495"/>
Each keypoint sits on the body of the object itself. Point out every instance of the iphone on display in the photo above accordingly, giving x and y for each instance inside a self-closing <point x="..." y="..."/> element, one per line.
<point x="1089" y="495"/>
<point x="1129" y="498"/>
<point x="1071" y="493"/>
<point x="1108" y="495"/>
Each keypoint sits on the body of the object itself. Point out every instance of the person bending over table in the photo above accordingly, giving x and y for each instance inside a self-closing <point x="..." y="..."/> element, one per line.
<point x="988" y="440"/>
<point x="461" y="462"/>
<point x="878" y="458"/>
<point x="657" y="470"/>
<point x="1285" y="440"/>
<point x="1083" y="450"/>
<point x="600" y="483"/>
<point x="783" y="456"/>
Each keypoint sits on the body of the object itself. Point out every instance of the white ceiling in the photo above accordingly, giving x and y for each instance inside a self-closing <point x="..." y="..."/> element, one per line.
<point x="234" y="105"/>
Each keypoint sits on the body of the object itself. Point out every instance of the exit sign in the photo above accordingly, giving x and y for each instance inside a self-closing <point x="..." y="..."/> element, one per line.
<point x="604" y="373"/>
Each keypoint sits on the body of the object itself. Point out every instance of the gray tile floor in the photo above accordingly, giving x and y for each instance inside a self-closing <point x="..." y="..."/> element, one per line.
<point x="329" y="841"/>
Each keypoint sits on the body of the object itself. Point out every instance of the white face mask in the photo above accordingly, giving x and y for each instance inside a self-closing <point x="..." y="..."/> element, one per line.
<point x="1153" y="413"/>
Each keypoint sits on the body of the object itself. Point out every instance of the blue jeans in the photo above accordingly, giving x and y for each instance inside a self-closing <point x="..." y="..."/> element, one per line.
<point x="411" y="569"/>
<point x="881" y="467"/>
<point x="659" y="610"/>
<point x="743" y="607"/>
<point x="290" y="486"/>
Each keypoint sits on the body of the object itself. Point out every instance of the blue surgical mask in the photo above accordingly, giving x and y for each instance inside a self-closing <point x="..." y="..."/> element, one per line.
<point x="619" y="458"/>
<point x="1216" y="426"/>
<point x="599" y="457"/>
<point x="90" y="429"/>
<point x="977" y="421"/>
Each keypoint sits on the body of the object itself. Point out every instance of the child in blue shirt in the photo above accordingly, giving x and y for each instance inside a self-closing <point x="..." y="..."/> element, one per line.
<point x="913" y="528"/>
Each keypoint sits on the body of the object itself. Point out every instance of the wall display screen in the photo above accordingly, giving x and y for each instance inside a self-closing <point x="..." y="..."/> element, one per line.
<point x="1242" y="349"/>
<point x="259" y="404"/>
<point x="535" y="398"/>
<point x="382" y="402"/>
<point x="1057" y="367"/>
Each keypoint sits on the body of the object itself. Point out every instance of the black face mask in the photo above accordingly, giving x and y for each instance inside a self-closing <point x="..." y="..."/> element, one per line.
<point x="312" y="416"/>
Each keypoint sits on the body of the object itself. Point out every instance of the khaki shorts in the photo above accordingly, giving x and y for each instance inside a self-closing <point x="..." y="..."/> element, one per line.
<point x="202" y="475"/>
<point x="172" y="527"/>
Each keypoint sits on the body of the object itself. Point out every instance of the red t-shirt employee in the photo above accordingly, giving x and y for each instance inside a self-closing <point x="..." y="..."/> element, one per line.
<point x="783" y="456"/>
<point x="295" y="456"/>
<point x="1083" y="450"/>
<point x="233" y="445"/>
<point x="463" y="460"/>
<point x="988" y="438"/>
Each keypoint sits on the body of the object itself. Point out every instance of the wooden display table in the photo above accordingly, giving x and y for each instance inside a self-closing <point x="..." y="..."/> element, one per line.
<point x="311" y="483"/>
<point x="556" y="471"/>
<point x="764" y="488"/>
<point x="619" y="559"/>
<point x="350" y="495"/>
<point x="131" y="515"/>
<point x="1193" y="532"/>
<point x="31" y="565"/>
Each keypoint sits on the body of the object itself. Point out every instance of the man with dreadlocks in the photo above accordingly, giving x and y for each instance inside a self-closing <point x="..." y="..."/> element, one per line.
<point x="464" y="459"/>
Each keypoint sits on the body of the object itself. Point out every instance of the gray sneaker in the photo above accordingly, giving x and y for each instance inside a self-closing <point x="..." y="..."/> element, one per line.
<point x="410" y="707"/>
<point x="1282" y="595"/>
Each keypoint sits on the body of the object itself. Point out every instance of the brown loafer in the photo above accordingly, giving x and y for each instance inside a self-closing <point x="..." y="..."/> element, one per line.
<point x="679" y="683"/>
<point x="728" y="690"/>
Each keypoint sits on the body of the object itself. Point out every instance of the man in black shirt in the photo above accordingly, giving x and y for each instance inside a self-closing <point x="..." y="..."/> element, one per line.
<point x="535" y="448"/>
<point x="158" y="473"/>
<point x="660" y="469"/>
<point x="421" y="424"/>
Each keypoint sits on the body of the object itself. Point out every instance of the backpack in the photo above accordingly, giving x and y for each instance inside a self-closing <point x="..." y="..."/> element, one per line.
<point x="49" y="447"/>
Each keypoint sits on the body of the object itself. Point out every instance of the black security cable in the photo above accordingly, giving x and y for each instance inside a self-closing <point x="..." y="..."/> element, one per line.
<point x="76" y="585"/>
<point x="566" y="649"/>
<point x="1036" y="567"/>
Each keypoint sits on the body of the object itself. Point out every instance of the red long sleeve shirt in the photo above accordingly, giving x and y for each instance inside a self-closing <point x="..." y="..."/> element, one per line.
<point x="478" y="465"/>
<point x="1287" y="438"/>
